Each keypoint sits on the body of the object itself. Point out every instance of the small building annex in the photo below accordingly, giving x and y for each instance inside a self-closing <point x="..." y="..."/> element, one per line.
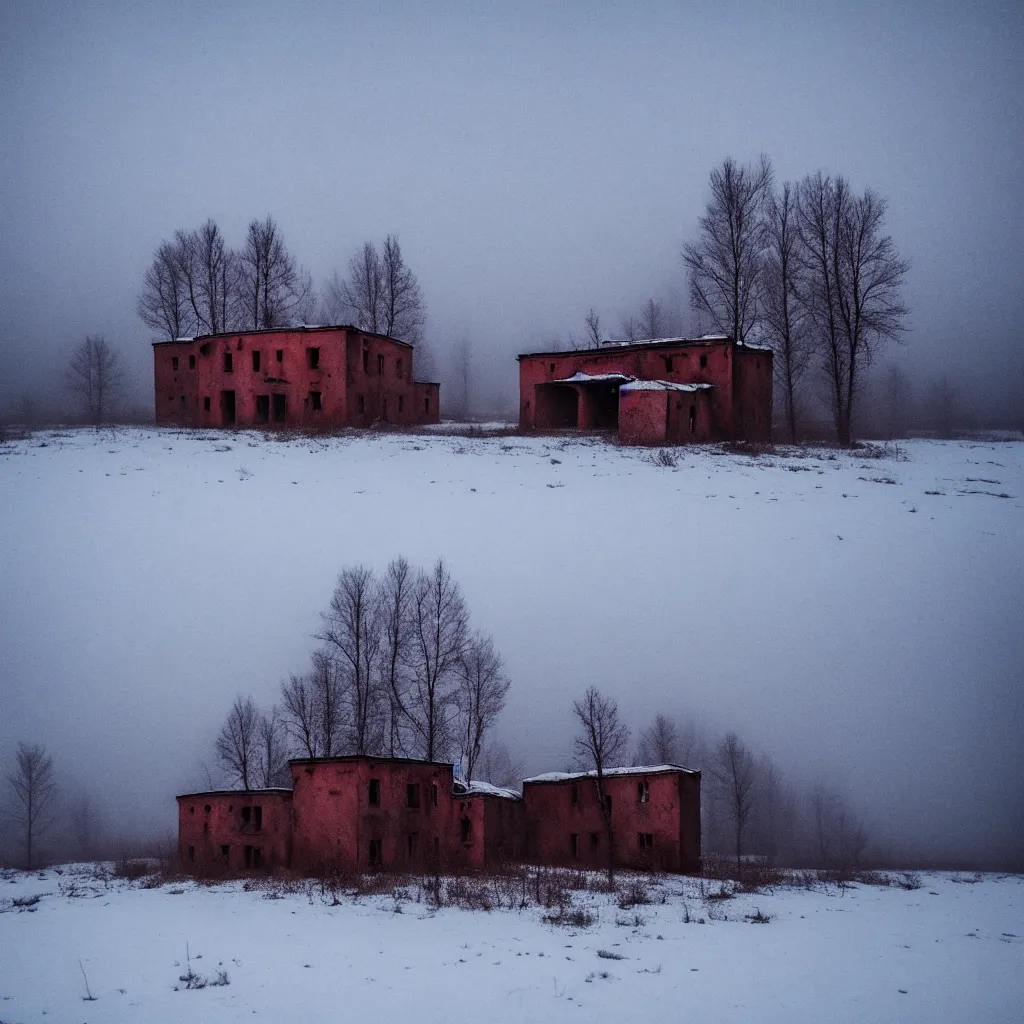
<point x="301" y="377"/>
<point x="359" y="813"/>
<point x="659" y="391"/>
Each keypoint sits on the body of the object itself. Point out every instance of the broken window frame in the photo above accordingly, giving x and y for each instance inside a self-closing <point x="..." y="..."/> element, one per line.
<point x="412" y="796"/>
<point x="373" y="794"/>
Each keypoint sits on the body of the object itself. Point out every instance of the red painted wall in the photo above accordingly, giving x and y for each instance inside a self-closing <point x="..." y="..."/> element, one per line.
<point x="497" y="829"/>
<point x="207" y="822"/>
<point x="670" y="816"/>
<point x="334" y="822"/>
<point x="739" y="406"/>
<point x="360" y="379"/>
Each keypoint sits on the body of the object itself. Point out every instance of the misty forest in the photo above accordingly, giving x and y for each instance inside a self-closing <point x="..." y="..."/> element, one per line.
<point x="498" y="502"/>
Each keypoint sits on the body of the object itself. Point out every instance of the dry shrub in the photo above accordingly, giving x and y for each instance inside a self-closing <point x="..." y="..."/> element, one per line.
<point x="633" y="893"/>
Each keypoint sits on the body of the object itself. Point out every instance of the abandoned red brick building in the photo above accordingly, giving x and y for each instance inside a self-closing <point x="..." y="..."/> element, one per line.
<point x="306" y="377"/>
<point x="358" y="813"/>
<point x="655" y="814"/>
<point x="662" y="391"/>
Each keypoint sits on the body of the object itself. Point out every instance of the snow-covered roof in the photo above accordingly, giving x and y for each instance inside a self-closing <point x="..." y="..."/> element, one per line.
<point x="478" y="788"/>
<point x="714" y="337"/>
<point x="579" y="377"/>
<point x="648" y="769"/>
<point x="240" y="793"/>
<point x="757" y="348"/>
<point x="663" y="385"/>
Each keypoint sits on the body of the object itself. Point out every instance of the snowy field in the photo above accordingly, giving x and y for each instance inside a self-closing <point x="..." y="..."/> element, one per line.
<point x="951" y="950"/>
<point x="859" y="617"/>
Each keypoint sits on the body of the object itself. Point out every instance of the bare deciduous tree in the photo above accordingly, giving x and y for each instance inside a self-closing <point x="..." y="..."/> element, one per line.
<point x="330" y="704"/>
<point x="209" y="271"/>
<point x="439" y="625"/>
<point x="272" y="751"/>
<point x="352" y="635"/>
<point x="785" y="313"/>
<point x="394" y="604"/>
<point x="300" y="713"/>
<point x="163" y="304"/>
<point x="500" y="767"/>
<point x="651" y="319"/>
<point x="853" y="277"/>
<point x="380" y="294"/>
<point x="238" y="742"/>
<point x="95" y="376"/>
<point x="483" y="687"/>
<point x="598" y="747"/>
<point x="593" y="322"/>
<point x="733" y="770"/>
<point x="839" y="836"/>
<point x="659" y="742"/>
<point x="725" y="261"/>
<point x="33" y="780"/>
<point x="272" y="286"/>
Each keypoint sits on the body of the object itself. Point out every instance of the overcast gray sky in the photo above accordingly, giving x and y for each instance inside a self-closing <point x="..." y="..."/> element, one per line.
<point x="535" y="159"/>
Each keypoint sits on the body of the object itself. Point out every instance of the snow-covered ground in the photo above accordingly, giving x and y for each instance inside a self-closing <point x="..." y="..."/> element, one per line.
<point x="952" y="950"/>
<point x="859" y="617"/>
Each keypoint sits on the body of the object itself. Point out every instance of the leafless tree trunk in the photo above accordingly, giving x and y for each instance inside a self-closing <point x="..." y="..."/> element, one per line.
<point x="300" y="713"/>
<point x="272" y="285"/>
<point x="483" y="687"/>
<point x="95" y="376"/>
<point x="659" y="743"/>
<point x="330" y="704"/>
<point x="733" y="769"/>
<point x="403" y="309"/>
<point x="651" y="320"/>
<point x="238" y="742"/>
<point x="785" y="314"/>
<point x="439" y="627"/>
<point x="32" y="779"/>
<point x="593" y="322"/>
<point x="394" y="602"/>
<point x="351" y="631"/>
<point x="725" y="261"/>
<point x="209" y="271"/>
<point x="500" y="767"/>
<point x="600" y="744"/>
<point x="854" y="280"/>
<point x="630" y="328"/>
<point x="272" y="751"/>
<point x="163" y="304"/>
<point x="839" y="836"/>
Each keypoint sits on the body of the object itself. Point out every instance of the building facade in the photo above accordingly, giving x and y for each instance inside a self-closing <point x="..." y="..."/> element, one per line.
<point x="360" y="813"/>
<point x="655" y="816"/>
<point x="299" y="377"/>
<point x="663" y="391"/>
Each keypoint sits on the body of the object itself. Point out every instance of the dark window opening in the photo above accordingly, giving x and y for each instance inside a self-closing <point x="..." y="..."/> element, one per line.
<point x="401" y="403"/>
<point x="595" y="839"/>
<point x="262" y="408"/>
<point x="280" y="406"/>
<point x="182" y="401"/>
<point x="433" y="793"/>
<point x="191" y="853"/>
<point x="465" y="831"/>
<point x="225" y="852"/>
<point x="437" y="846"/>
<point x="552" y="370"/>
<point x="279" y="355"/>
<point x="255" y="360"/>
<point x="257" y="857"/>
<point x="360" y="404"/>
<point x="204" y="350"/>
<point x="575" y="796"/>
<point x="228" y="362"/>
<point x="192" y="810"/>
<point x="207" y="808"/>
<point x="693" y="419"/>
<point x="252" y="818"/>
<point x="645" y="840"/>
<point x="643" y="792"/>
<point x="312" y="358"/>
<point x="426" y="404"/>
<point x="398" y="368"/>
<point x="574" y="845"/>
<point x="411" y="842"/>
<point x="206" y="403"/>
<point x="174" y="362"/>
<point x="412" y="795"/>
<point x="375" y="792"/>
<point x="366" y="360"/>
<point x="376" y="853"/>
<point x="239" y="345"/>
<point x="380" y="364"/>
<point x="703" y="362"/>
<point x="315" y="402"/>
<point x="668" y="364"/>
<point x="191" y="362"/>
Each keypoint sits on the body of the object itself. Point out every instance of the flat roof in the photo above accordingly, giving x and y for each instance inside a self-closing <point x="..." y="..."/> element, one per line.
<point x="609" y="773"/>
<point x="302" y="329"/>
<point x="620" y="346"/>
<point x="371" y="757"/>
<point x="478" y="788"/>
<point x="279" y="790"/>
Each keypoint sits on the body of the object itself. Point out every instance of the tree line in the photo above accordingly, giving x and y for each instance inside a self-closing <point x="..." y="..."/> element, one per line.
<point x="398" y="672"/>
<point x="197" y="284"/>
